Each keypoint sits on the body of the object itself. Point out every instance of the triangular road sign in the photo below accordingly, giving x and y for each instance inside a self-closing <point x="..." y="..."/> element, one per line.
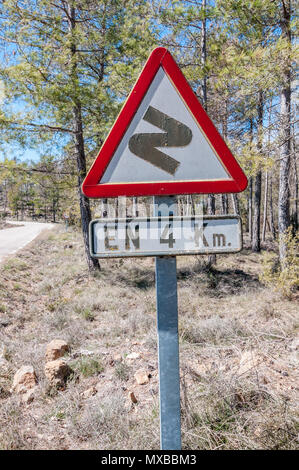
<point x="163" y="142"/>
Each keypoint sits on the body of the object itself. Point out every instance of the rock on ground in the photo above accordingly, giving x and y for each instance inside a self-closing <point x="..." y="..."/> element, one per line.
<point x="24" y="379"/>
<point x="55" y="349"/>
<point x="57" y="372"/>
<point x="142" y="377"/>
<point x="132" y="397"/>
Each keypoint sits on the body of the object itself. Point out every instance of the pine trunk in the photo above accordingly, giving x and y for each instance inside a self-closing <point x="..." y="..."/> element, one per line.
<point x="265" y="207"/>
<point x="211" y="211"/>
<point x="249" y="208"/>
<point x="135" y="207"/>
<point x="204" y="96"/>
<point x="79" y="149"/>
<point x="84" y="202"/>
<point x="295" y="209"/>
<point x="224" y="204"/>
<point x="271" y="212"/>
<point x="236" y="205"/>
<point x="285" y="121"/>
<point x="105" y="207"/>
<point x="256" y="229"/>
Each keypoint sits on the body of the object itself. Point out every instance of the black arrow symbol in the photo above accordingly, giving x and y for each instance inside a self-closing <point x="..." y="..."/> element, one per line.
<point x="176" y="134"/>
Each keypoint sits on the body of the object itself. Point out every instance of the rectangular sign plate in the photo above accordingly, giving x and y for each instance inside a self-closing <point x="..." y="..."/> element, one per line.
<point x="165" y="236"/>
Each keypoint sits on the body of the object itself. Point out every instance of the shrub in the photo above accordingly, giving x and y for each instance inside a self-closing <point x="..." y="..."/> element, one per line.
<point x="285" y="280"/>
<point x="88" y="367"/>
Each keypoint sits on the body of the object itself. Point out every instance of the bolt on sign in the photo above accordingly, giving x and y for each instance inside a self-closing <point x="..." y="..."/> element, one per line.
<point x="163" y="144"/>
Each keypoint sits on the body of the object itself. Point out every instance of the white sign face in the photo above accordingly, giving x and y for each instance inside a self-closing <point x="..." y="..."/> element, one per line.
<point x="164" y="142"/>
<point x="158" y="236"/>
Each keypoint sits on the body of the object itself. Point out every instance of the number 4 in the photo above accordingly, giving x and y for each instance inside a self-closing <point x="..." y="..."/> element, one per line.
<point x="170" y="240"/>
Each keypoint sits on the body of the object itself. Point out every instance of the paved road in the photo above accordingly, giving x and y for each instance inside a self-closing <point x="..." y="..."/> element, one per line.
<point x="14" y="238"/>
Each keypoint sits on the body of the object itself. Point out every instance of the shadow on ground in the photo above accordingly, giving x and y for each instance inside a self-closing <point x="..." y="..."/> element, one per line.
<point x="212" y="282"/>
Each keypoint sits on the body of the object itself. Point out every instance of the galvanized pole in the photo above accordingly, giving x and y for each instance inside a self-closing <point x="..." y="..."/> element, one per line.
<point x="168" y="342"/>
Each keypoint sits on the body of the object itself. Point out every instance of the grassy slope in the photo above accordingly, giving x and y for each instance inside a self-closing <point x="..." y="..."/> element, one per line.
<point x="5" y="225"/>
<point x="237" y="344"/>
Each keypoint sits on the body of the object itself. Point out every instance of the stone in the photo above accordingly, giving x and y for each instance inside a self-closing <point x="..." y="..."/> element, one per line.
<point x="57" y="372"/>
<point x="55" y="349"/>
<point x="132" y="397"/>
<point x="133" y="355"/>
<point x="90" y="392"/>
<point x="24" y="379"/>
<point x="142" y="377"/>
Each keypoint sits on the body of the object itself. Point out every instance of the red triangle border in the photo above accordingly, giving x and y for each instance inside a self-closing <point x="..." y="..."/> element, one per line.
<point x="91" y="187"/>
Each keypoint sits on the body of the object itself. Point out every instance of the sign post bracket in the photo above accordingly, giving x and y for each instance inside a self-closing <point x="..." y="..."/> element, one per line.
<point x="168" y="341"/>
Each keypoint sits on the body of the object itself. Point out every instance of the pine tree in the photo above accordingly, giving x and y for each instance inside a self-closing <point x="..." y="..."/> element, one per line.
<point x="59" y="58"/>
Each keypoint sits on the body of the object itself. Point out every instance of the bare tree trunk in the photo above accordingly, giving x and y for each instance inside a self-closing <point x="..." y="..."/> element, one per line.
<point x="249" y="206"/>
<point x="211" y="211"/>
<point x="224" y="204"/>
<point x="256" y="229"/>
<point x="203" y="52"/>
<point x="84" y="201"/>
<point x="294" y="215"/>
<point x="236" y="205"/>
<point x="295" y="218"/>
<point x="224" y="197"/>
<point x="271" y="212"/>
<point x="135" y="207"/>
<point x="193" y="206"/>
<point x="116" y="208"/>
<point x="285" y="121"/>
<point x="105" y="207"/>
<point x="122" y="206"/>
<point x="265" y="218"/>
<point x="188" y="204"/>
<point x="54" y="210"/>
<point x="79" y="148"/>
<point x="265" y="207"/>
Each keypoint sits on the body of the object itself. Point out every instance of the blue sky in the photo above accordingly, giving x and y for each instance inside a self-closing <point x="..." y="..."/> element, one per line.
<point x="13" y="150"/>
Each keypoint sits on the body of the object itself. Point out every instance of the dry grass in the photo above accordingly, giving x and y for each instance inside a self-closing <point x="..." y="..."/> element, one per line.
<point x="237" y="342"/>
<point x="5" y="225"/>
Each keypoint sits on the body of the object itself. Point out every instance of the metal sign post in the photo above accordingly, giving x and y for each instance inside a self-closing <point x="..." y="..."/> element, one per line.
<point x="166" y="235"/>
<point x="168" y="341"/>
<point x="132" y="162"/>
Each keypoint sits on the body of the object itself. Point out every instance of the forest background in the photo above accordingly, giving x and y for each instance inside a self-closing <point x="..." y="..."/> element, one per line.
<point x="67" y="67"/>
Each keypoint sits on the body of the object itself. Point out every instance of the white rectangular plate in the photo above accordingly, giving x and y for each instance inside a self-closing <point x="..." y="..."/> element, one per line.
<point x="165" y="236"/>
